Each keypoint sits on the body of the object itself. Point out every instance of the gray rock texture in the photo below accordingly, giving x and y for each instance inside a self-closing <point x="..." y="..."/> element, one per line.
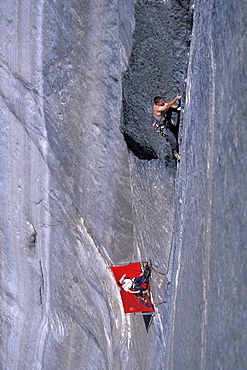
<point x="85" y="183"/>
<point x="65" y="189"/>
<point x="210" y="299"/>
<point x="157" y="67"/>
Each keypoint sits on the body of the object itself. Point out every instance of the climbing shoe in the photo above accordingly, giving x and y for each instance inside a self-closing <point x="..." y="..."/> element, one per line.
<point x="177" y="156"/>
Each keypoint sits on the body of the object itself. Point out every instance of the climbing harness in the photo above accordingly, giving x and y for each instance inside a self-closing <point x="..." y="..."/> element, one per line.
<point x="160" y="128"/>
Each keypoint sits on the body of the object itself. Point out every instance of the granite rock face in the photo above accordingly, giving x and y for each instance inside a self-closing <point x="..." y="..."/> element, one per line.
<point x="157" y="67"/>
<point x="85" y="183"/>
<point x="65" y="189"/>
<point x="209" y="321"/>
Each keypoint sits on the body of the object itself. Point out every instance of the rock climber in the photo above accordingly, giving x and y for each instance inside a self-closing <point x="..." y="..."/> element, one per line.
<point x="132" y="286"/>
<point x="162" y="123"/>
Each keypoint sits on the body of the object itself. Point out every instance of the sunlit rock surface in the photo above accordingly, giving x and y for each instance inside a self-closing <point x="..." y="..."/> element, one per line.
<point x="86" y="183"/>
<point x="65" y="181"/>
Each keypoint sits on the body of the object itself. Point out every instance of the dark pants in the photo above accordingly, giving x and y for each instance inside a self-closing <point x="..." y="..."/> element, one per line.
<point x="139" y="280"/>
<point x="171" y="139"/>
<point x="165" y="131"/>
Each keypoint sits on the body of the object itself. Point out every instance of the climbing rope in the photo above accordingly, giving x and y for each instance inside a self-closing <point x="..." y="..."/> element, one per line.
<point x="161" y="273"/>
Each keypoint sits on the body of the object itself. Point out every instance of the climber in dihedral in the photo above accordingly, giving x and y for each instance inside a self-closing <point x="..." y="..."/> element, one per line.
<point x="162" y="117"/>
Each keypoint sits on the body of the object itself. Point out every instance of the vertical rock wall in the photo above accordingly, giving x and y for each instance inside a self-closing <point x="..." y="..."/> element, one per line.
<point x="74" y="199"/>
<point x="85" y="183"/>
<point x="158" y="66"/>
<point x="65" y="191"/>
<point x="209" y="321"/>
